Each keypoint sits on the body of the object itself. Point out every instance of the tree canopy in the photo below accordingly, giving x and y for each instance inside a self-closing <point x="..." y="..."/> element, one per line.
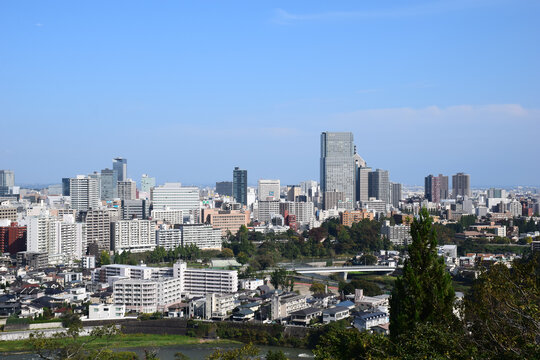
<point x="424" y="294"/>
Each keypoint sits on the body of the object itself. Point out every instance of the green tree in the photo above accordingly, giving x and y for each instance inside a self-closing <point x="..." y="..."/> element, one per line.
<point x="317" y="288"/>
<point x="275" y="355"/>
<point x="70" y="320"/>
<point x="424" y="293"/>
<point x="246" y="352"/>
<point x="367" y="259"/>
<point x="70" y="345"/>
<point x="180" y="356"/>
<point x="278" y="278"/>
<point x="502" y="310"/>
<point x="227" y="253"/>
<point x="351" y="344"/>
<point x="104" y="258"/>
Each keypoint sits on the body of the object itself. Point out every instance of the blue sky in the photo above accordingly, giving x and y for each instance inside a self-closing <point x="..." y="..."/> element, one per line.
<point x="188" y="90"/>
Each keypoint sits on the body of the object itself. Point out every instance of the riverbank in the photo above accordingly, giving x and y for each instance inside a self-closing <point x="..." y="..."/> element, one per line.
<point x="120" y="341"/>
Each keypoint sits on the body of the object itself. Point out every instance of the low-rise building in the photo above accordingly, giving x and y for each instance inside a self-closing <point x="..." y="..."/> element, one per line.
<point x="350" y="217"/>
<point x="106" y="311"/>
<point x="305" y="316"/>
<point x="282" y="305"/>
<point x="250" y="284"/>
<point x="366" y="321"/>
<point x="226" y="220"/>
<point x="219" y="306"/>
<point x="334" y="314"/>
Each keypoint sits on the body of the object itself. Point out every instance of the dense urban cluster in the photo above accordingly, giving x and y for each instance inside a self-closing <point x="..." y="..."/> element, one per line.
<point x="103" y="247"/>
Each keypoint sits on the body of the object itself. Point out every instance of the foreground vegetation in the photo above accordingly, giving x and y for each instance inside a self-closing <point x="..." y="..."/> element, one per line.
<point x="116" y="341"/>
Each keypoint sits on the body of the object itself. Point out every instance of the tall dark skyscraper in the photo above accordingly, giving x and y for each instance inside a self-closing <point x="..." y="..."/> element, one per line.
<point x="65" y="186"/>
<point x="120" y="166"/>
<point x="436" y="188"/>
<point x="240" y="185"/>
<point x="338" y="168"/>
<point x="461" y="185"/>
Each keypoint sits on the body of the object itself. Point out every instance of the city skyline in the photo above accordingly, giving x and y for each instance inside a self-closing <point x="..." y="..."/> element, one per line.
<point x="393" y="74"/>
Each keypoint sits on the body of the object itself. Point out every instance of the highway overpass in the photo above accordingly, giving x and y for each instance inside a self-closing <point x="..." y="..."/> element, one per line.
<point x="343" y="269"/>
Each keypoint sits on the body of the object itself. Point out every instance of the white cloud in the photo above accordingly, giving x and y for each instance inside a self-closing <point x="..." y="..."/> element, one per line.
<point x="478" y="114"/>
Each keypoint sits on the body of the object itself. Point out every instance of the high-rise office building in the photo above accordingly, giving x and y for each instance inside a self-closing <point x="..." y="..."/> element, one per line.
<point x="84" y="192"/>
<point x="127" y="190"/>
<point x="240" y="185"/>
<point x="379" y="185"/>
<point x="268" y="190"/>
<point x="224" y="188"/>
<point x="361" y="177"/>
<point x="97" y="176"/>
<point x="65" y="186"/>
<point x="7" y="182"/>
<point x="495" y="193"/>
<point x="443" y="183"/>
<point x="338" y="165"/>
<point x="461" y="185"/>
<point x="395" y="194"/>
<point x="432" y="188"/>
<point x="436" y="188"/>
<point x="147" y="183"/>
<point x="120" y="166"/>
<point x="175" y="196"/>
<point x="109" y="184"/>
<point x="362" y="183"/>
<point x="135" y="209"/>
<point x="309" y="188"/>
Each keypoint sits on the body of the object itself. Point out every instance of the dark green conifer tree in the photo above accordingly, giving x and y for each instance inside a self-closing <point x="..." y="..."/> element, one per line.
<point x="424" y="293"/>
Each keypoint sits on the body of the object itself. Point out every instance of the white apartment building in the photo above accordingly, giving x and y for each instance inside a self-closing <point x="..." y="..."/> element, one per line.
<point x="169" y="238"/>
<point x="106" y="311"/>
<point x="147" y="296"/>
<point x="63" y="241"/>
<point x="219" y="306"/>
<point x="397" y="234"/>
<point x="169" y="215"/>
<point x="250" y="284"/>
<point x="88" y="262"/>
<point x="136" y="272"/>
<point x="265" y="210"/>
<point x="206" y="281"/>
<point x="147" y="289"/>
<point x="200" y="235"/>
<point x="84" y="192"/>
<point x="283" y="305"/>
<point x="193" y="281"/>
<point x="268" y="190"/>
<point x="304" y="211"/>
<point x="134" y="235"/>
<point x="175" y="196"/>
